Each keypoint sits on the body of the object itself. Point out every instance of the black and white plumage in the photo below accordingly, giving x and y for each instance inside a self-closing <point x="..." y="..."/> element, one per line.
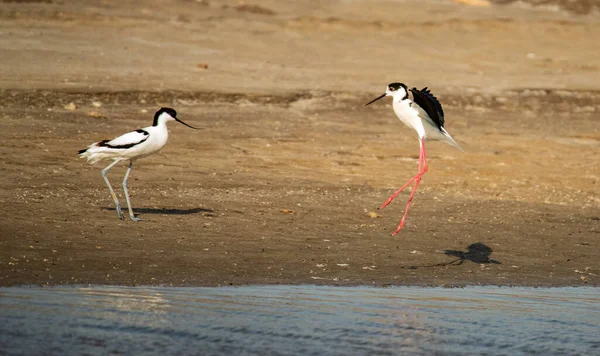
<point x="132" y="146"/>
<point x="421" y="111"/>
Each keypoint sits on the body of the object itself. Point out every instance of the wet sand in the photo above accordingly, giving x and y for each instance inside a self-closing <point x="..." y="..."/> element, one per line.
<point x="283" y="183"/>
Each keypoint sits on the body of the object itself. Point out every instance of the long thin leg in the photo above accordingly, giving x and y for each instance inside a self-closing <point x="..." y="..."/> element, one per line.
<point x="112" y="192"/>
<point x="425" y="168"/>
<point x="421" y="162"/>
<point x="424" y="155"/>
<point x="127" y="193"/>
<point x="389" y="200"/>
<point x="412" y="194"/>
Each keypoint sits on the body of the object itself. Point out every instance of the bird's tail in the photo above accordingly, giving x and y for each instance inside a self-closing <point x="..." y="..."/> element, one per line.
<point x="449" y="140"/>
<point x="93" y="153"/>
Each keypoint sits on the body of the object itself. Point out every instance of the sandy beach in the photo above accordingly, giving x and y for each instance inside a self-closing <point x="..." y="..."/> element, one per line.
<point x="283" y="183"/>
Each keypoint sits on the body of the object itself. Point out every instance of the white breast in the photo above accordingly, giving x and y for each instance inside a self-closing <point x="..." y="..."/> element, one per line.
<point x="409" y="116"/>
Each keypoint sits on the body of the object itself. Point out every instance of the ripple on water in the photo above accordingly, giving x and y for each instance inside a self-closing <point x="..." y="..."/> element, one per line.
<point x="308" y="320"/>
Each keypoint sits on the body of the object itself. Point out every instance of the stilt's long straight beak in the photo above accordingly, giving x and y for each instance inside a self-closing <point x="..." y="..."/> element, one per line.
<point x="195" y="128"/>
<point x="374" y="100"/>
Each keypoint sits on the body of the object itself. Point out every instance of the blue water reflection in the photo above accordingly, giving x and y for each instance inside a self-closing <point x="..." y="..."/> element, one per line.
<point x="299" y="320"/>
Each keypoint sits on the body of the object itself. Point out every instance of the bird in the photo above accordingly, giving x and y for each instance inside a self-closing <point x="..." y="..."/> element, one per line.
<point x="421" y="111"/>
<point x="132" y="146"/>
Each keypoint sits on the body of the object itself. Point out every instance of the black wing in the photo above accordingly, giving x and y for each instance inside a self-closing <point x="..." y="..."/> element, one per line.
<point x="430" y="104"/>
<point x="127" y="140"/>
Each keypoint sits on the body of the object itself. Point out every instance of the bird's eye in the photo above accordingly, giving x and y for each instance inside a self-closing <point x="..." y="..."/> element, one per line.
<point x="392" y="89"/>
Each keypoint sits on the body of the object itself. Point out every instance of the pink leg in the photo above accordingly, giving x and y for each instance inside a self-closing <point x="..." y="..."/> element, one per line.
<point x="421" y="161"/>
<point x="417" y="178"/>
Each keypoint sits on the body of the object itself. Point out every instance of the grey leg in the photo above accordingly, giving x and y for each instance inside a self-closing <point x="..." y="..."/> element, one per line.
<point x="112" y="192"/>
<point x="127" y="193"/>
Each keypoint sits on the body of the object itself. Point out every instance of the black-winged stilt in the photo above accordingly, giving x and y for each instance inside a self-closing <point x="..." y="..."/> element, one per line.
<point x="131" y="146"/>
<point x="422" y="112"/>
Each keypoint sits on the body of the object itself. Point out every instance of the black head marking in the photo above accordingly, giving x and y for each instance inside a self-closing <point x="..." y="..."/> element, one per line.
<point x="169" y="111"/>
<point x="392" y="87"/>
<point x="395" y="86"/>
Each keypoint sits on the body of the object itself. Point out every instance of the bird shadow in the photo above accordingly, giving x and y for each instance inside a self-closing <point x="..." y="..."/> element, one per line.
<point x="165" y="211"/>
<point x="476" y="253"/>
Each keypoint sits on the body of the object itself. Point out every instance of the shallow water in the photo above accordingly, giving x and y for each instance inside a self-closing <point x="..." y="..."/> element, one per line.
<point x="307" y="320"/>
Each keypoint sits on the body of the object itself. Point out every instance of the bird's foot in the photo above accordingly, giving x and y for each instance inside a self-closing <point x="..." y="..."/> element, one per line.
<point x="120" y="213"/>
<point x="385" y="204"/>
<point x="389" y="200"/>
<point x="399" y="228"/>
<point x="134" y="218"/>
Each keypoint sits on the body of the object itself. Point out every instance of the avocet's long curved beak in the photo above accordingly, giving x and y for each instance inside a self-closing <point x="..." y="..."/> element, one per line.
<point x="374" y="100"/>
<point x="195" y="128"/>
